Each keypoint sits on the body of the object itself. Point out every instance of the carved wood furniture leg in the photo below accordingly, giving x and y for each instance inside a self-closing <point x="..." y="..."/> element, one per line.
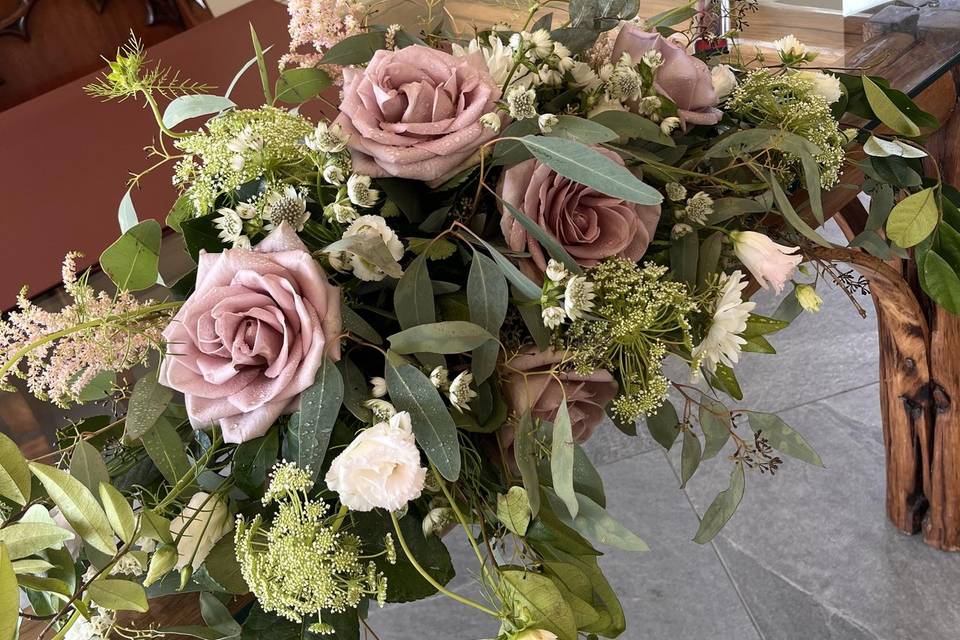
<point x="904" y="385"/>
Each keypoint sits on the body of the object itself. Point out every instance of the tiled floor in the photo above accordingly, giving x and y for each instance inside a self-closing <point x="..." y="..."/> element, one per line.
<point x="808" y="556"/>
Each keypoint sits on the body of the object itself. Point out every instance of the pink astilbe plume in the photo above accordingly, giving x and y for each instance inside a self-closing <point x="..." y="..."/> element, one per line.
<point x="59" y="353"/>
<point x="318" y="25"/>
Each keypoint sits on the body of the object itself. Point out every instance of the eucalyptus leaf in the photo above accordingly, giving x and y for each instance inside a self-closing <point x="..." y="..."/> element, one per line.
<point x="524" y="453"/>
<point x="253" y="459"/>
<point x="147" y="404"/>
<point x="689" y="456"/>
<point x="881" y="148"/>
<point x="184" y="108"/>
<point x="582" y="130"/>
<point x="663" y="425"/>
<point x="355" y="324"/>
<point x="584" y="165"/>
<point x="782" y="437"/>
<point x="561" y="460"/>
<point x="118" y="595"/>
<point x="783" y="203"/>
<point x="488" y="300"/>
<point x="370" y="249"/>
<point x="164" y="446"/>
<point x="596" y="525"/>
<point x="913" y="218"/>
<point x="78" y="507"/>
<point x="449" y="337"/>
<point x="411" y="391"/>
<point x="541" y="235"/>
<point x="306" y="442"/>
<point x="14" y="474"/>
<point x="715" y="422"/>
<point x="524" y="286"/>
<point x="132" y="260"/>
<point x="629" y="125"/>
<point x="413" y="297"/>
<point x="722" y="508"/>
<point x="261" y="66"/>
<point x="126" y="212"/>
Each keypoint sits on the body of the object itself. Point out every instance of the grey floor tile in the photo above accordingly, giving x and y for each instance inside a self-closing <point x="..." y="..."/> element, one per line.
<point x="677" y="590"/>
<point x="608" y="444"/>
<point x="833" y="560"/>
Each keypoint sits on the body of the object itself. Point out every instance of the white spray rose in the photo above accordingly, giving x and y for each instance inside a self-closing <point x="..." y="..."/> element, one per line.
<point x="202" y="522"/>
<point x="724" y="81"/>
<point x="770" y="263"/>
<point x="824" y="84"/>
<point x="381" y="467"/>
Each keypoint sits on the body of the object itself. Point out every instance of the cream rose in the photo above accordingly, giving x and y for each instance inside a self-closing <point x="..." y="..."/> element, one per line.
<point x="381" y="467"/>
<point x="200" y="525"/>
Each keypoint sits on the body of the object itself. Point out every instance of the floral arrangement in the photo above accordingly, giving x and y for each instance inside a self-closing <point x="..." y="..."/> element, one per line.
<point x="405" y="320"/>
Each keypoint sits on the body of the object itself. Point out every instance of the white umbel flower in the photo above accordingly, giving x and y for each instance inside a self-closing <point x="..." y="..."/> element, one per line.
<point x="553" y="317"/>
<point x="722" y="342"/>
<point x="328" y="138"/>
<point x="359" y="191"/>
<point x="378" y="387"/>
<point x="460" y="393"/>
<point x="286" y="206"/>
<point x="578" y="297"/>
<point x="380" y="468"/>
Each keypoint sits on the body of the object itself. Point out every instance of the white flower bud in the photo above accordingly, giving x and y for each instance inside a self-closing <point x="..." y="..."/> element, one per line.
<point x="669" y="125"/>
<point x="491" y="121"/>
<point x="547" y="122"/>
<point x="556" y="271"/>
<point x="553" y="317"/>
<point x="378" y="387"/>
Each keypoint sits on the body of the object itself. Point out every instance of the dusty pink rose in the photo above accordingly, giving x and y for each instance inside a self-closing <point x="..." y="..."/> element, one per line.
<point x="590" y="225"/>
<point x="542" y="393"/>
<point x="685" y="80"/>
<point x="415" y="112"/>
<point x="252" y="336"/>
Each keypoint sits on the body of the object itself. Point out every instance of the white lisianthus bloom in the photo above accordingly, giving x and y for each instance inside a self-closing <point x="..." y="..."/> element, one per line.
<point x="770" y="263"/>
<point x="669" y="125"/>
<point x="371" y="225"/>
<point x="359" y="191"/>
<point x="824" y="84"/>
<point x="556" y="271"/>
<point x="553" y="317"/>
<point x="460" y="393"/>
<point x="722" y="342"/>
<point x="724" y="80"/>
<point x="790" y="48"/>
<point x="578" y="297"/>
<point x="199" y="526"/>
<point x="547" y="122"/>
<point x="380" y="468"/>
<point x="378" y="387"/>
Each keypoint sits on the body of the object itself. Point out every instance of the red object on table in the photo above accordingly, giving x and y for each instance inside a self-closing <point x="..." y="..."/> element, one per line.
<point x="65" y="156"/>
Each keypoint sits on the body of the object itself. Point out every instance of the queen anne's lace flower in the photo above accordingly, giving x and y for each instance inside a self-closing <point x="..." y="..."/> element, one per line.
<point x="722" y="342"/>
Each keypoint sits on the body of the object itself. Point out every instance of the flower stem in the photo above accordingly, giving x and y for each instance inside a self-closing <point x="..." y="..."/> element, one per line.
<point x="341" y="515"/>
<point x="426" y="576"/>
<point x="461" y="519"/>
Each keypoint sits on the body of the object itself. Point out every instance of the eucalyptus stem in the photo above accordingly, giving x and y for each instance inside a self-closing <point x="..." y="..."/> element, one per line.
<point x="426" y="576"/>
<point x="155" y="108"/>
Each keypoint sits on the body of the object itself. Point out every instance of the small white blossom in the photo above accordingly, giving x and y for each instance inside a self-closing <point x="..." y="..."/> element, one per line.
<point x="824" y="84"/>
<point x="334" y="174"/>
<point x="679" y="230"/>
<point x="237" y="162"/>
<point x="328" y="138"/>
<point x="370" y="225"/>
<point x="649" y="105"/>
<point x="549" y="76"/>
<point x="676" y="191"/>
<point x="547" y="122"/>
<point x="436" y="519"/>
<point x="669" y="124"/>
<point x="578" y="297"/>
<point x="359" y="191"/>
<point x="340" y="211"/>
<point x="730" y="313"/>
<point x="553" y="317"/>
<point x="378" y="387"/>
<point x="243" y="242"/>
<point x="439" y="377"/>
<point x="230" y="225"/>
<point x="625" y="83"/>
<point x="246" y="210"/>
<point x="538" y="44"/>
<point x="808" y="298"/>
<point x="699" y="208"/>
<point x="522" y="103"/>
<point x="584" y="76"/>
<point x="286" y="206"/>
<point x="460" y="393"/>
<point x="556" y="271"/>
<point x="245" y="141"/>
<point x="499" y="59"/>
<point x="790" y="49"/>
<point x="491" y="121"/>
<point x="652" y="58"/>
<point x="382" y="410"/>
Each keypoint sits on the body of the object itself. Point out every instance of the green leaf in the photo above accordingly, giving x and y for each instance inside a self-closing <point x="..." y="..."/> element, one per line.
<point x="488" y="299"/>
<point x="684" y="258"/>
<point x="132" y="261"/>
<point x="525" y="287"/>
<point x="881" y="148"/>
<point x="252" y="461"/>
<point x="99" y="387"/>
<point x="941" y="282"/>
<point x="165" y="448"/>
<point x="726" y="380"/>
<point x="758" y="325"/>
<point x="127" y="213"/>
<point x="888" y="113"/>
<point x="663" y="424"/>
<point x="87" y="466"/>
<point x="249" y="63"/>
<point x="356" y="325"/>
<point x="541" y="235"/>
<point x="217" y="616"/>
<point x="524" y="453"/>
<point x="119" y="512"/>
<point x="44" y="584"/>
<point x="722" y="508"/>
<point x="118" y="595"/>
<point x="24" y="539"/>
<point x="9" y="597"/>
<point x="432" y="248"/>
<point x="222" y="567"/>
<point x="513" y="510"/>
<point x="262" y="66"/>
<point x="186" y="107"/>
<point x="371" y="249"/>
<point x="727" y="208"/>
<point x="356" y="49"/>
<point x="147" y="404"/>
<point x="561" y="460"/>
<point x="783" y="438"/>
<point x="306" y="442"/>
<point x="297" y="85"/>
<point x="584" y="165"/>
<point x="715" y="422"/>
<point x="413" y="297"/>
<point x="411" y="391"/>
<point x="454" y="336"/>
<point x="913" y="218"/>
<point x="629" y="125"/>
<point x="596" y="525"/>
<point x="539" y="599"/>
<point x="582" y="130"/>
<point x="709" y="259"/>
<point x="78" y="507"/>
<point x="14" y="474"/>
<point x="689" y="456"/>
<point x="783" y="203"/>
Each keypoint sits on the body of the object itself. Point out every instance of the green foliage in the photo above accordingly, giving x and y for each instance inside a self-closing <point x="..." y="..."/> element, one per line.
<point x="561" y="460"/>
<point x="454" y="336"/>
<point x="782" y="437"/>
<point x="14" y="474"/>
<point x="78" y="506"/>
<point x="132" y="261"/>
<point x="118" y="595"/>
<point x="296" y="86"/>
<point x="9" y="597"/>
<point x="513" y="510"/>
<point x="722" y="508"/>
<point x="308" y="433"/>
<point x="913" y="218"/>
<point x="253" y="460"/>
